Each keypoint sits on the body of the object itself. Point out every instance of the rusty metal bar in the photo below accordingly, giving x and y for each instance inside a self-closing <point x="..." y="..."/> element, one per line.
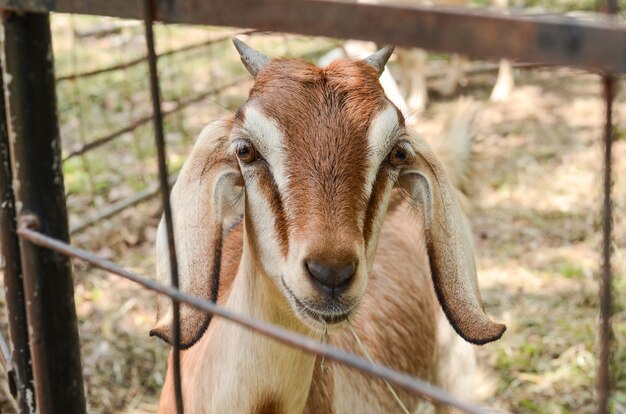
<point x="142" y="59"/>
<point x="586" y="43"/>
<point x="159" y="137"/>
<point x="605" y="377"/>
<point x="606" y="282"/>
<point x="38" y="179"/>
<point x="20" y="373"/>
<point x="412" y="385"/>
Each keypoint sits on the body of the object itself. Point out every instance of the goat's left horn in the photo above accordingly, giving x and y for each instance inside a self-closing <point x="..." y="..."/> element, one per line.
<point x="379" y="59"/>
<point x="252" y="59"/>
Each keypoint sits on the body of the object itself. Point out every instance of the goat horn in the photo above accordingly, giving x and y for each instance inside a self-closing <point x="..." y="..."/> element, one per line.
<point x="252" y="59"/>
<point x="379" y="59"/>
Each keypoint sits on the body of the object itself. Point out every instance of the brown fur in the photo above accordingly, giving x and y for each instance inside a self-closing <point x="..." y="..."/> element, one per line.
<point x="268" y="185"/>
<point x="375" y="202"/>
<point x="270" y="405"/>
<point x="231" y="257"/>
<point x="399" y="289"/>
<point x="340" y="101"/>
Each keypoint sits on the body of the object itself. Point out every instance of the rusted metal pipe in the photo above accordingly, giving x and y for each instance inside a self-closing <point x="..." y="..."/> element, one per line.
<point x="591" y="43"/>
<point x="605" y="378"/>
<point x="20" y="372"/>
<point x="39" y="192"/>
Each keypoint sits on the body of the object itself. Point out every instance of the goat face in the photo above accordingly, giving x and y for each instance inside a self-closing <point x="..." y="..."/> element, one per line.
<point x="318" y="152"/>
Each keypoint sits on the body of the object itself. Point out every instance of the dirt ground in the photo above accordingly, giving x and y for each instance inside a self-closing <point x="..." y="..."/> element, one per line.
<point x="536" y="219"/>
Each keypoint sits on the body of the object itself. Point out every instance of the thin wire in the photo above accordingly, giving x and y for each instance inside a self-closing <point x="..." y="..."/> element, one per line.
<point x="137" y="144"/>
<point x="146" y="119"/>
<point x="411" y="384"/>
<point x="369" y="358"/>
<point x="159" y="136"/>
<point x="77" y="103"/>
<point x="137" y="61"/>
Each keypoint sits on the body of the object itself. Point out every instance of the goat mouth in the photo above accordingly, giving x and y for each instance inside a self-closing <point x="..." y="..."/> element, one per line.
<point x="334" y="314"/>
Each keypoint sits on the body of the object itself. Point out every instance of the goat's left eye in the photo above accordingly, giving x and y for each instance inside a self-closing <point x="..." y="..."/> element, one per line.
<point x="398" y="156"/>
<point x="246" y="152"/>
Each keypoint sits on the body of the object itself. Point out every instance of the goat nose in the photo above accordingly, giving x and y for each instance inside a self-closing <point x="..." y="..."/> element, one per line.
<point x="331" y="278"/>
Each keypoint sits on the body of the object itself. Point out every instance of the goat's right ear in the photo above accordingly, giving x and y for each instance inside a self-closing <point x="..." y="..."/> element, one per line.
<point x="206" y="193"/>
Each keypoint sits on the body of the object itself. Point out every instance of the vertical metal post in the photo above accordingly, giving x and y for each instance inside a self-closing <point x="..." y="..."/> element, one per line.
<point x="39" y="193"/>
<point x="605" y="378"/>
<point x="159" y="138"/>
<point x="606" y="282"/>
<point x="21" y="376"/>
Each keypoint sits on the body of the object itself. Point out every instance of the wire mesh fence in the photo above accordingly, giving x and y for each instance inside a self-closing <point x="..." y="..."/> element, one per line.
<point x="550" y="42"/>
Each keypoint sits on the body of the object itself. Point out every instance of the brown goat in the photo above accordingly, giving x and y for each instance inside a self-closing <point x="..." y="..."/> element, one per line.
<point x="311" y="208"/>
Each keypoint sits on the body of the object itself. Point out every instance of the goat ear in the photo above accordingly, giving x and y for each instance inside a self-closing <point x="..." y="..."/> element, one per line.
<point x="449" y="246"/>
<point x="252" y="59"/>
<point x="204" y="196"/>
<point x="379" y="59"/>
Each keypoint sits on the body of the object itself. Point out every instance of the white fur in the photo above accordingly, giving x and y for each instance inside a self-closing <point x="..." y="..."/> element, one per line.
<point x="379" y="137"/>
<point x="269" y="138"/>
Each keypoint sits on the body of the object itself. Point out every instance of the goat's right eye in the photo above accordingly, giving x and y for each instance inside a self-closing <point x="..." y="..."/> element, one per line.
<point x="398" y="156"/>
<point x="246" y="152"/>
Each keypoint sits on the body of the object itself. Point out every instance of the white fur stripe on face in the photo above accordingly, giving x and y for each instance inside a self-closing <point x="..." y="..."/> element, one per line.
<point x="381" y="132"/>
<point x="270" y="141"/>
<point x="264" y="224"/>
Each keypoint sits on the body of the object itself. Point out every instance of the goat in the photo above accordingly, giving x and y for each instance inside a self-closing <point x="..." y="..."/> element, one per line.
<point x="314" y="207"/>
<point x="410" y="92"/>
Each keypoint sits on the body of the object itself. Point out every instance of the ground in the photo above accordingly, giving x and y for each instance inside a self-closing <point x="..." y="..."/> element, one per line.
<point x="536" y="218"/>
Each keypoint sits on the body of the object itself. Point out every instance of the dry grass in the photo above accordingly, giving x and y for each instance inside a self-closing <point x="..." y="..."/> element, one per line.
<point x="536" y="221"/>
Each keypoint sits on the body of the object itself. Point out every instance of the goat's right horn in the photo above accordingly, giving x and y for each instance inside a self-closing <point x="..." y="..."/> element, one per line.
<point x="252" y="59"/>
<point x="379" y="59"/>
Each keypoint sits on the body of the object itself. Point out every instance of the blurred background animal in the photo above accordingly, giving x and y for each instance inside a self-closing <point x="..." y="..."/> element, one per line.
<point x="407" y="86"/>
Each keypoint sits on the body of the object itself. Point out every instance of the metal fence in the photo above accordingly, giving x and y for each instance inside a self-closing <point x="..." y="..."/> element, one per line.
<point x="45" y="367"/>
<point x="89" y="142"/>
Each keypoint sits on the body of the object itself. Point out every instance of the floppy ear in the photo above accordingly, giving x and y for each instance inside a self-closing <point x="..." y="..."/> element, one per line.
<point x="208" y="187"/>
<point x="449" y="246"/>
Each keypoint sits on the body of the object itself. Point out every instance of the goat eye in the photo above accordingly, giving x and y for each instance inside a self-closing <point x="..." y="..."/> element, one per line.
<point x="397" y="156"/>
<point x="246" y="153"/>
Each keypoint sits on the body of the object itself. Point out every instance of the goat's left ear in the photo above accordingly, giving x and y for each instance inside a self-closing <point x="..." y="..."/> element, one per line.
<point x="204" y="197"/>
<point x="449" y="246"/>
<point x="379" y="59"/>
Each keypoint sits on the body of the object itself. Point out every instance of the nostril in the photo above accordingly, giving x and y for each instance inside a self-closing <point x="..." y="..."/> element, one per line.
<point x="331" y="276"/>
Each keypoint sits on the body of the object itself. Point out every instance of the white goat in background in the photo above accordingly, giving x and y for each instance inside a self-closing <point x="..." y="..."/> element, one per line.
<point x="313" y="208"/>
<point x="409" y="91"/>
